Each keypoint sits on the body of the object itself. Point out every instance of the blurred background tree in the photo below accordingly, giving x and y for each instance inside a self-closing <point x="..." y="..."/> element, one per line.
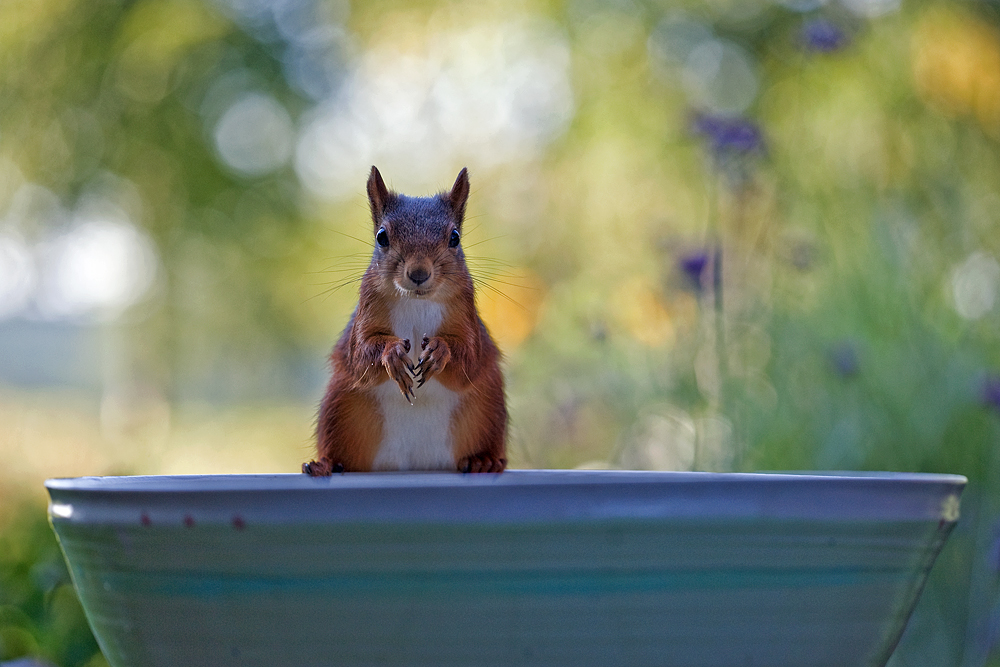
<point x="708" y="236"/>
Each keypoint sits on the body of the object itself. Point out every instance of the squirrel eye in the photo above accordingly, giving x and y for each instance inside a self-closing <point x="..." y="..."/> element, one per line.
<point x="454" y="239"/>
<point x="382" y="238"/>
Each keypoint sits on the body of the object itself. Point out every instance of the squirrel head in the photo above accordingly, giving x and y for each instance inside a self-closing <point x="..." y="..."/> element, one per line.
<point x="418" y="249"/>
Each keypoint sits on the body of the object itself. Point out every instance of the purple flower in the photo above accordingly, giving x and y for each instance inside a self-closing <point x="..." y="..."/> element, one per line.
<point x="990" y="392"/>
<point x="693" y="266"/>
<point x="844" y="359"/>
<point x="823" y="36"/>
<point x="729" y="136"/>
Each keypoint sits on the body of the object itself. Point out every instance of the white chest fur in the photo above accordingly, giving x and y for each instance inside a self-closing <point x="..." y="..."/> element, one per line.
<point x="418" y="436"/>
<point x="413" y="319"/>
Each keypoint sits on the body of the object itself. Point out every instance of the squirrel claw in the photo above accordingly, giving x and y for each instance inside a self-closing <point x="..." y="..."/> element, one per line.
<point x="482" y="463"/>
<point x="321" y="468"/>
<point x="435" y="356"/>
<point x="399" y="368"/>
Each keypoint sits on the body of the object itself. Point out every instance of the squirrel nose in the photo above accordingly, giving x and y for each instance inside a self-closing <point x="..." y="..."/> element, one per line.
<point x="418" y="276"/>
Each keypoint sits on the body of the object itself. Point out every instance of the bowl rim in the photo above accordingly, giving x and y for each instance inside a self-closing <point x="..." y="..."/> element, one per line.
<point x="511" y="478"/>
<point x="516" y="496"/>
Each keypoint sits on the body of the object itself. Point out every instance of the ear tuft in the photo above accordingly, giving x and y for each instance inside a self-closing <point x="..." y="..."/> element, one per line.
<point x="378" y="196"/>
<point x="459" y="195"/>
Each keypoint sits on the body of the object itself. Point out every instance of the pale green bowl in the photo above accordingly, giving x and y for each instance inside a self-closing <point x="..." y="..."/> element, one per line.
<point x="551" y="568"/>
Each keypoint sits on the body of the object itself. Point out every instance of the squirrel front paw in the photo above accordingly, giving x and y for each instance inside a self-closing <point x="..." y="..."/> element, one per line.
<point x="434" y="357"/>
<point x="398" y="366"/>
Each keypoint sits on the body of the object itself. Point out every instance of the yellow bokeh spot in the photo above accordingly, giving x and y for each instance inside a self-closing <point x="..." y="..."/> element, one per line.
<point x="165" y="28"/>
<point x="509" y="306"/>
<point x="156" y="34"/>
<point x="641" y="310"/>
<point x="956" y="66"/>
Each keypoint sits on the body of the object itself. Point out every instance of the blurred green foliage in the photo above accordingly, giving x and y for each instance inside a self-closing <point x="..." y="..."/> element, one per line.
<point x="40" y="614"/>
<point x="717" y="236"/>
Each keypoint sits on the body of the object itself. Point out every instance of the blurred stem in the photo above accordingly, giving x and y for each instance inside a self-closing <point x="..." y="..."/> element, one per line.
<point x="717" y="394"/>
<point x="720" y="322"/>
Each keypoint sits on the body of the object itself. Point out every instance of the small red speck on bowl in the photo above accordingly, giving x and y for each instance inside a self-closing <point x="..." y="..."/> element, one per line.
<point x="145" y="520"/>
<point x="238" y="522"/>
<point x="189" y="521"/>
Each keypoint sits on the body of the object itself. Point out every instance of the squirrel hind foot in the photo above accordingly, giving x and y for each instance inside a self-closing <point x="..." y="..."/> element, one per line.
<point x="482" y="463"/>
<point x="322" y="468"/>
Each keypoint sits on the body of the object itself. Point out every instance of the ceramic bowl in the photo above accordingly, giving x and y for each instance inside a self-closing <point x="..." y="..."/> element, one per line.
<point x="554" y="568"/>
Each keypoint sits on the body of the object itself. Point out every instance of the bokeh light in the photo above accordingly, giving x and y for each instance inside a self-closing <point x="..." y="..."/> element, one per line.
<point x="17" y="275"/>
<point x="97" y="268"/>
<point x="254" y="135"/>
<point x="484" y="95"/>
<point x="974" y="285"/>
<point x="719" y="76"/>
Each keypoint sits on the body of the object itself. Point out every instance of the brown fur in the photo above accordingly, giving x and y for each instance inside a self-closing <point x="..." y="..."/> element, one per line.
<point x="462" y="355"/>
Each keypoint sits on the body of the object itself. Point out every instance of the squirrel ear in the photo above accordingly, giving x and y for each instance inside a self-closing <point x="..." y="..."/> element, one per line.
<point x="459" y="195"/>
<point x="378" y="195"/>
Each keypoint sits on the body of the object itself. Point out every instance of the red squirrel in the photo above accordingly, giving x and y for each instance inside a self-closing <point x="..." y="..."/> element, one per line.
<point x="416" y="381"/>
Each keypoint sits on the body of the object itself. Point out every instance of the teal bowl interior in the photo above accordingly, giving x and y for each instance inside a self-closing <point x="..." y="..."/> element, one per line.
<point x="550" y="568"/>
